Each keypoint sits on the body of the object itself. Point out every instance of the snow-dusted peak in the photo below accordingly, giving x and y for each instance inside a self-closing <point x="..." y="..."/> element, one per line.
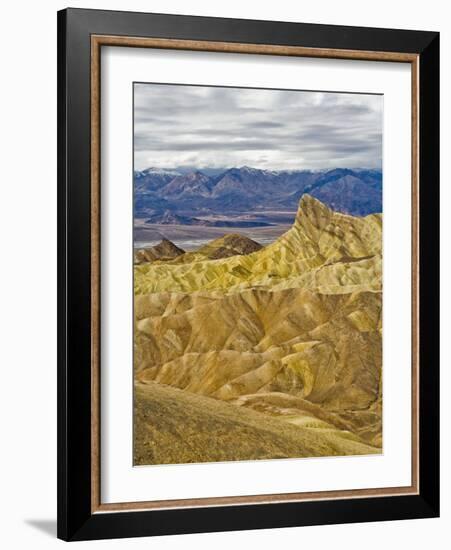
<point x="160" y="172"/>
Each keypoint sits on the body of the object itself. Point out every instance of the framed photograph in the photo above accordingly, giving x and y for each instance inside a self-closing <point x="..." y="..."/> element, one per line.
<point x="248" y="274"/>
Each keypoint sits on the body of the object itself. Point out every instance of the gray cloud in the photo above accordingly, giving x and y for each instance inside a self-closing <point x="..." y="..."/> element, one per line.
<point x="177" y="125"/>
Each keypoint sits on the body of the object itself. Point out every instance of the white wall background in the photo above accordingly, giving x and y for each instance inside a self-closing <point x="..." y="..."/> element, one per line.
<point x="28" y="272"/>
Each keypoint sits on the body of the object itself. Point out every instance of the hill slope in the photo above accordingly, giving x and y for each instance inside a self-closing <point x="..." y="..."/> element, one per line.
<point x="174" y="427"/>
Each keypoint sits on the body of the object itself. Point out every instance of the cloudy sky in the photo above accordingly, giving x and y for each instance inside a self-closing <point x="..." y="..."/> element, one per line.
<point x="215" y="127"/>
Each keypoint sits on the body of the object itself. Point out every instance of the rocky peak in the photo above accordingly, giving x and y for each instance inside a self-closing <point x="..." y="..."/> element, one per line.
<point x="312" y="214"/>
<point x="230" y="245"/>
<point x="165" y="250"/>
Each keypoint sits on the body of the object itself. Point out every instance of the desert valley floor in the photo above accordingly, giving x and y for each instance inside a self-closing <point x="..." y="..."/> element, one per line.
<point x="245" y="352"/>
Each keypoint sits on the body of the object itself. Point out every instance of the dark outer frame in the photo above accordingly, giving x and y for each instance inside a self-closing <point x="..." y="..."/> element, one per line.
<point x="80" y="515"/>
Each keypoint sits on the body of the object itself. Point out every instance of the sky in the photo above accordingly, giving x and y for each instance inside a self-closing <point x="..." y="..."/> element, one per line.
<point x="217" y="127"/>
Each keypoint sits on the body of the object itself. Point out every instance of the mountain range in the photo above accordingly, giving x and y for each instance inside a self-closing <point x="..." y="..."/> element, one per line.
<point x="189" y="198"/>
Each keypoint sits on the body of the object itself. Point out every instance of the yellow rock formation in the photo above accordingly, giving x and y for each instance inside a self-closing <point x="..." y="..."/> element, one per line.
<point x="289" y="334"/>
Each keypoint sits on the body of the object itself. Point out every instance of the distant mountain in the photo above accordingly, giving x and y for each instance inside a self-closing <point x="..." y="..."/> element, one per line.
<point x="196" y="194"/>
<point x="170" y="218"/>
<point x="148" y="199"/>
<point x="167" y="217"/>
<point x="153" y="179"/>
<point x="350" y="195"/>
<point x="194" y="184"/>
<point x="244" y="181"/>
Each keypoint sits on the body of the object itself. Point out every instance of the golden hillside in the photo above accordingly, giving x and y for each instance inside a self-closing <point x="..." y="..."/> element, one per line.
<point x="175" y="427"/>
<point x="291" y="332"/>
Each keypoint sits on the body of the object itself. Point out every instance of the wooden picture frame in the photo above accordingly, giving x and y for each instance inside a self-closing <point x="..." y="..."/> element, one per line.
<point x="81" y="35"/>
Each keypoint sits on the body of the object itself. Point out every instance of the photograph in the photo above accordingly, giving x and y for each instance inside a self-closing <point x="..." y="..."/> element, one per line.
<point x="257" y="269"/>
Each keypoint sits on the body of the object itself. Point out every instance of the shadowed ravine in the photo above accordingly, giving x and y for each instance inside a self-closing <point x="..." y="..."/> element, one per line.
<point x="243" y="352"/>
